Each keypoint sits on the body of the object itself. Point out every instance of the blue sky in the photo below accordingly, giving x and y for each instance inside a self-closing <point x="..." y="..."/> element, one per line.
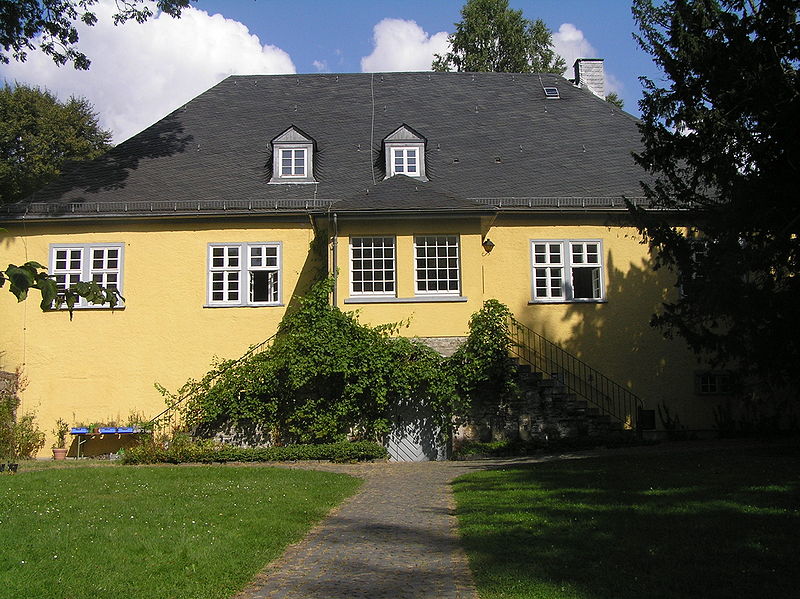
<point x="142" y="72"/>
<point x="341" y="33"/>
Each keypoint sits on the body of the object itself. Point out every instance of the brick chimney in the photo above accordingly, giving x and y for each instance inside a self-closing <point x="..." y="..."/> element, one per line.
<point x="589" y="74"/>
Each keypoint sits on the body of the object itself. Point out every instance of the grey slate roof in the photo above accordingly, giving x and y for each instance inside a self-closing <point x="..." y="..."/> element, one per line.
<point x="492" y="138"/>
<point x="401" y="193"/>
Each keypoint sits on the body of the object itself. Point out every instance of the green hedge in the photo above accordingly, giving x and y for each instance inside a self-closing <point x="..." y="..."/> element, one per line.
<point x="520" y="448"/>
<point x="207" y="452"/>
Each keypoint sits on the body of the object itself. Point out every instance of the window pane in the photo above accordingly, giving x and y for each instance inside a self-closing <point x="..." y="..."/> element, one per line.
<point x="437" y="264"/>
<point x="372" y="266"/>
<point x="263" y="286"/>
<point x="584" y="283"/>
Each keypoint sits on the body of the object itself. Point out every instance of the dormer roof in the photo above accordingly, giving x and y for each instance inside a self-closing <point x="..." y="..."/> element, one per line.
<point x="404" y="134"/>
<point x="292" y="135"/>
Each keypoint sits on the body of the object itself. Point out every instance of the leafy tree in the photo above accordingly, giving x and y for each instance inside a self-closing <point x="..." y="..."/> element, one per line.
<point x="39" y="134"/>
<point x="50" y="25"/>
<point x="722" y="143"/>
<point x="613" y="98"/>
<point x="493" y="37"/>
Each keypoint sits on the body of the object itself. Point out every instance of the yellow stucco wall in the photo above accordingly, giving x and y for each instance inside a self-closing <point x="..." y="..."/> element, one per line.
<point x="426" y="319"/>
<point x="613" y="336"/>
<point x="103" y="364"/>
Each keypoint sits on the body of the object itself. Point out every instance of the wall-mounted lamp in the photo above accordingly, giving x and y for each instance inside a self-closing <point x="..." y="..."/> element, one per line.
<point x="488" y="245"/>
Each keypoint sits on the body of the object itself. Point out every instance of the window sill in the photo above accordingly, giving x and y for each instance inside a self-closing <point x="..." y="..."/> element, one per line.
<point x="419" y="299"/>
<point x="242" y="305"/>
<point x="104" y="308"/>
<point x="290" y="182"/>
<point x="566" y="301"/>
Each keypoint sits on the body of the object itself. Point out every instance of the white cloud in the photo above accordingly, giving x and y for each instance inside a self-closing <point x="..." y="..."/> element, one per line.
<point x="403" y="46"/>
<point x="570" y="43"/>
<point x="141" y="72"/>
<point x="320" y="65"/>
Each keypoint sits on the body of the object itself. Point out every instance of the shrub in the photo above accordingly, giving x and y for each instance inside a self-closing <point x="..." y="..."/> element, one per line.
<point x="518" y="447"/>
<point x="485" y="374"/>
<point x="28" y="439"/>
<point x="20" y="438"/>
<point x="206" y="451"/>
<point x="326" y="378"/>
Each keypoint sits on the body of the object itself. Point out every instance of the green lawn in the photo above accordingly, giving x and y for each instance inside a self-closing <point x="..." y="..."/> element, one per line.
<point x="190" y="532"/>
<point x="706" y="524"/>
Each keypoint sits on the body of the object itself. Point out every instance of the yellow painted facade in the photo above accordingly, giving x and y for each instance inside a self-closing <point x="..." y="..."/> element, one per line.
<point x="103" y="364"/>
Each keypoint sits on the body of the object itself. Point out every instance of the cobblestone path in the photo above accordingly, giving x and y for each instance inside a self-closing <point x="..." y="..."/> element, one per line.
<point x="396" y="538"/>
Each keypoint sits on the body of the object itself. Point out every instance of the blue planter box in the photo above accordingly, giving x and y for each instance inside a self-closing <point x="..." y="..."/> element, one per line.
<point x="107" y="429"/>
<point x="78" y="431"/>
<point x="125" y="429"/>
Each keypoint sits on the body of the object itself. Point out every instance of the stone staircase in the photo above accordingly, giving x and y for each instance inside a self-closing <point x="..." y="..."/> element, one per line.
<point x="548" y="409"/>
<point x="545" y="410"/>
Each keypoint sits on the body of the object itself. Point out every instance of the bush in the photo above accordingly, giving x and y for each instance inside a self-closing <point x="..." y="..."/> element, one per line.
<point x="498" y="449"/>
<point x="28" y="439"/>
<point x="20" y="438"/>
<point x="485" y="374"/>
<point x="205" y="451"/>
<point x="326" y="378"/>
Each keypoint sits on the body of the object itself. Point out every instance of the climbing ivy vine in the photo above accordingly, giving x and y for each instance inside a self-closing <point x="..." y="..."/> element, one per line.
<point x="485" y="375"/>
<point x="325" y="378"/>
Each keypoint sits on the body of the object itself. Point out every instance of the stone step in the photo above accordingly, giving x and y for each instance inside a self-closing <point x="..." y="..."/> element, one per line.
<point x="524" y="369"/>
<point x="546" y="407"/>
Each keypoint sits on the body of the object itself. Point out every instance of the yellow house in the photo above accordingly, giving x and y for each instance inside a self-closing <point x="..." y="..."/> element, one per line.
<point x="429" y="193"/>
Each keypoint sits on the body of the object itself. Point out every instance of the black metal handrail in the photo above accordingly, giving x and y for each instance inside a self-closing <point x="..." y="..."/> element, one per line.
<point x="581" y="379"/>
<point x="169" y="416"/>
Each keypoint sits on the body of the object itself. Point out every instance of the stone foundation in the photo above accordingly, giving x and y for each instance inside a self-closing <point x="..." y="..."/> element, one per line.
<point x="445" y="346"/>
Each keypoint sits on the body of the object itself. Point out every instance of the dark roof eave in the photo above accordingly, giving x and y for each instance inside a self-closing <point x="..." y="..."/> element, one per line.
<point x="107" y="216"/>
<point x="398" y="212"/>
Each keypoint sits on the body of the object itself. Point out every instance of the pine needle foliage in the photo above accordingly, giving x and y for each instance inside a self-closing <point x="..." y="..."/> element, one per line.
<point x="722" y="145"/>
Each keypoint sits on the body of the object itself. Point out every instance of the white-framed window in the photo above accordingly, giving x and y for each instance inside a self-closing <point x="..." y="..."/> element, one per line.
<point x="373" y="266"/>
<point x="713" y="383"/>
<point x="437" y="265"/>
<point x="292" y="157"/>
<point x="98" y="262"/>
<point x="405" y="161"/>
<point x="293" y="162"/>
<point x="567" y="270"/>
<point x="244" y="274"/>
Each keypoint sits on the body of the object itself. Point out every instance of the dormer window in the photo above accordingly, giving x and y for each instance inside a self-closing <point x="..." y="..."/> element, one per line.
<point x="293" y="162"/>
<point x="405" y="161"/>
<point x="405" y="153"/>
<point x="292" y="157"/>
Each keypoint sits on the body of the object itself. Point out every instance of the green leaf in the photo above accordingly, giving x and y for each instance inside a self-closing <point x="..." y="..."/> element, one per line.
<point x="49" y="290"/>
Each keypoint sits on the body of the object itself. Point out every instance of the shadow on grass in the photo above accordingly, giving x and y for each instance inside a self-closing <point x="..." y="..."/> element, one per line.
<point x="708" y="524"/>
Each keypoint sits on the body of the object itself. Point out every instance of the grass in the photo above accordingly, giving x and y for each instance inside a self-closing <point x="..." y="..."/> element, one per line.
<point x="704" y="523"/>
<point x="193" y="532"/>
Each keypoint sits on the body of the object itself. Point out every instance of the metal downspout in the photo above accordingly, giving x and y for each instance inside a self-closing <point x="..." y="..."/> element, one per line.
<point x="334" y="249"/>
